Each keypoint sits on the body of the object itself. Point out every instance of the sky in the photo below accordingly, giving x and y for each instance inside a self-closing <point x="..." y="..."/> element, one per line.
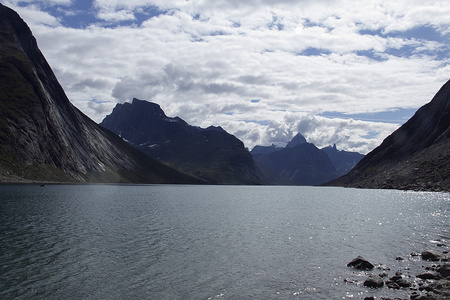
<point x="338" y="72"/>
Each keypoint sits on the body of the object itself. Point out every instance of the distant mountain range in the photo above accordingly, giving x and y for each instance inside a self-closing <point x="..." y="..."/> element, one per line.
<point x="415" y="157"/>
<point x="303" y="163"/>
<point x="215" y="156"/>
<point x="43" y="137"/>
<point x="210" y="154"/>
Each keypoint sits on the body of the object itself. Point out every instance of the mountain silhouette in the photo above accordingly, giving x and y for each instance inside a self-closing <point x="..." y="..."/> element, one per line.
<point x="210" y="154"/>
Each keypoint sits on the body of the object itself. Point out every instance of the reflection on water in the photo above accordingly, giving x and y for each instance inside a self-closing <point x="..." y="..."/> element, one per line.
<point x="208" y="242"/>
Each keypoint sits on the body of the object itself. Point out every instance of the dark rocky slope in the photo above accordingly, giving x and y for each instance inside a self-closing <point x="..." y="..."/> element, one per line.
<point x="43" y="137"/>
<point x="414" y="157"/>
<point x="211" y="154"/>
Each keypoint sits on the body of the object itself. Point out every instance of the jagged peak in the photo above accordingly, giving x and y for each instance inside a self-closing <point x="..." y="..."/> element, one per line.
<point x="296" y="140"/>
<point x="215" y="128"/>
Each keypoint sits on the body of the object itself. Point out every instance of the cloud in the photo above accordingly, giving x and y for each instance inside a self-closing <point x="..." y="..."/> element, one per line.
<point x="33" y="14"/>
<point x="115" y="16"/>
<point x="348" y="134"/>
<point x="208" y="62"/>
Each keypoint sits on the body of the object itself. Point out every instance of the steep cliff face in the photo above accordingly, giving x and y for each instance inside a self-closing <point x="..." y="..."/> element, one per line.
<point x="210" y="153"/>
<point x="416" y="156"/>
<point x="44" y="137"/>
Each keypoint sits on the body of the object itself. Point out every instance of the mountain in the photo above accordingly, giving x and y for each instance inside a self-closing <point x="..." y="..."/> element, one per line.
<point x="303" y="164"/>
<point x="264" y="149"/>
<point x="415" y="157"/>
<point x="296" y="140"/>
<point x="211" y="154"/>
<point x="43" y="137"/>
<point x="342" y="160"/>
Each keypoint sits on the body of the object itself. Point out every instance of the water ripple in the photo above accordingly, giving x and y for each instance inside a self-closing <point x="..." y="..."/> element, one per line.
<point x="221" y="242"/>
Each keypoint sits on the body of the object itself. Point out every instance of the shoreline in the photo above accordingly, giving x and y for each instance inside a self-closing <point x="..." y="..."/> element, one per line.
<point x="432" y="282"/>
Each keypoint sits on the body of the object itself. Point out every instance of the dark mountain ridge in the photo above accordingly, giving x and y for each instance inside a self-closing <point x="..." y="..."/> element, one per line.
<point x="303" y="163"/>
<point x="342" y="160"/>
<point x="416" y="156"/>
<point x="43" y="137"/>
<point x="211" y="154"/>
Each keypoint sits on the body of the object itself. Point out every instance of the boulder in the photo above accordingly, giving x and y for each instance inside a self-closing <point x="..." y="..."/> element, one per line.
<point x="403" y="283"/>
<point x="392" y="285"/>
<point x="397" y="281"/>
<point x="432" y="255"/>
<point x="444" y="270"/>
<point x="360" y="263"/>
<point x="428" y="275"/>
<point x="374" y="281"/>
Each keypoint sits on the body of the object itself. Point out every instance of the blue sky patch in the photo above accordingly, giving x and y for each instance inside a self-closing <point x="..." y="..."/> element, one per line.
<point x="398" y="116"/>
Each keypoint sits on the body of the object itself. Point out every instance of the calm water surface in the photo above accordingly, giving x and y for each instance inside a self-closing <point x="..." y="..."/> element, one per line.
<point x="209" y="242"/>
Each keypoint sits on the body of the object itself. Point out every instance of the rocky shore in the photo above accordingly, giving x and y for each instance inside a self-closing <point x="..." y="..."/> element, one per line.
<point x="432" y="282"/>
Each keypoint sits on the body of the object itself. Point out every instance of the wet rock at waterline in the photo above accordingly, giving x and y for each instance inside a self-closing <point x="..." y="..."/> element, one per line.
<point x="433" y="255"/>
<point x="374" y="281"/>
<point x="433" y="283"/>
<point x="444" y="270"/>
<point x="360" y="263"/>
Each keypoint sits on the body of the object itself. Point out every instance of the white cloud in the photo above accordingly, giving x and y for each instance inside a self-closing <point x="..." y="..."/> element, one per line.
<point x="116" y="16"/>
<point x="33" y="14"/>
<point x="205" y="61"/>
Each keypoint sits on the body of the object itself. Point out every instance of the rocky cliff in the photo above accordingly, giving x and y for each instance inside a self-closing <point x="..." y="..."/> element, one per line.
<point x="43" y="137"/>
<point x="210" y="153"/>
<point x="414" y="157"/>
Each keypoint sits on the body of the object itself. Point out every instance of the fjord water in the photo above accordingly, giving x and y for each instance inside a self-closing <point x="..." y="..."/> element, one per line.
<point x="208" y="242"/>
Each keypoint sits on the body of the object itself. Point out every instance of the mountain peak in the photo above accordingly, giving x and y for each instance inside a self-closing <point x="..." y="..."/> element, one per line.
<point x="297" y="140"/>
<point x="147" y="107"/>
<point x="211" y="154"/>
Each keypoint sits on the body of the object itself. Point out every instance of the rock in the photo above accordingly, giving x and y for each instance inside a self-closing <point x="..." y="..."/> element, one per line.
<point x="438" y="290"/>
<point x="360" y="263"/>
<point x="403" y="283"/>
<point x="444" y="270"/>
<point x="397" y="281"/>
<point x="432" y="255"/>
<point x="392" y="285"/>
<point x="399" y="258"/>
<point x="396" y="278"/>
<point x="369" y="298"/>
<point x="421" y="297"/>
<point x="374" y="281"/>
<point x="428" y="275"/>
